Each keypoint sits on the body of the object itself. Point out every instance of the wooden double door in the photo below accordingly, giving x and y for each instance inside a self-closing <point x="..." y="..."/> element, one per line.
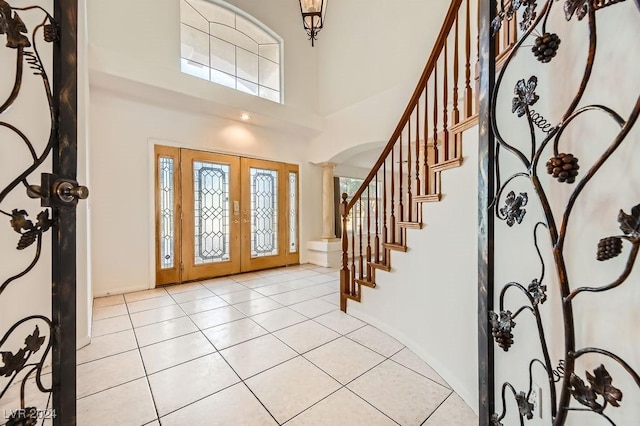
<point x="219" y="214"/>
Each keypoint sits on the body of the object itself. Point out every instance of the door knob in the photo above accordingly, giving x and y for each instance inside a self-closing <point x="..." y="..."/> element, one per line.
<point x="57" y="192"/>
<point x="68" y="192"/>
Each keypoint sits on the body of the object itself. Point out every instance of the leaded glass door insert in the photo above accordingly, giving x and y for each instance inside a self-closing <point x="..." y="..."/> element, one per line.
<point x="264" y="212"/>
<point x="211" y="212"/>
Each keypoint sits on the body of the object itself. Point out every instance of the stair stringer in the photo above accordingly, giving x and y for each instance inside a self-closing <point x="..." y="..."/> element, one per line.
<point x="428" y="300"/>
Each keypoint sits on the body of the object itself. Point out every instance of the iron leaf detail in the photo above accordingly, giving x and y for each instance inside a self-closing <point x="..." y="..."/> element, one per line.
<point x="578" y="7"/>
<point x="524" y="406"/>
<point x="601" y="384"/>
<point x="630" y="223"/>
<point x="583" y="393"/>
<point x="13" y="27"/>
<point x="13" y="363"/>
<point x="26" y="228"/>
<point x="34" y="342"/>
<point x="513" y="210"/>
<point x="538" y="292"/>
<point x="525" y="95"/>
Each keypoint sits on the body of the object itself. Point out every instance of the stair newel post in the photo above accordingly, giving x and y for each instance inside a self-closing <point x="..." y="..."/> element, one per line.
<point x="377" y="216"/>
<point x="345" y="286"/>
<point x="368" y="272"/>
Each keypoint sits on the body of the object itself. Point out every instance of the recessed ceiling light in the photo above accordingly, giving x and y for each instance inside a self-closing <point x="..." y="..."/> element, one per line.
<point x="245" y="116"/>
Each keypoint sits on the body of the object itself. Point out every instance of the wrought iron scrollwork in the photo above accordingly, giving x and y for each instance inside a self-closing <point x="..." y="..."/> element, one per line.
<point x="25" y="363"/>
<point x="595" y="391"/>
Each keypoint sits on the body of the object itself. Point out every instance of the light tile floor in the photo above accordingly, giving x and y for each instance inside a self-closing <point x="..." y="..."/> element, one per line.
<point x="264" y="348"/>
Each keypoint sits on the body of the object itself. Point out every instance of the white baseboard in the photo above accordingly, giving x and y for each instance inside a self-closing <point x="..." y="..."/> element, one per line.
<point x="82" y="341"/>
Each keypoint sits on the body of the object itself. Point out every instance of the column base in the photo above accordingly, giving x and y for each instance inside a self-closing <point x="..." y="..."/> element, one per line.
<point x="326" y="252"/>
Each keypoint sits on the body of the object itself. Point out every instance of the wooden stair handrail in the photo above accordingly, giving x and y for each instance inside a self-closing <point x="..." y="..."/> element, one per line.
<point x="439" y="44"/>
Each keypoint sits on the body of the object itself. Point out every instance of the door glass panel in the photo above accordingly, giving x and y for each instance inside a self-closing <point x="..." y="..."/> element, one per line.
<point x="264" y="212"/>
<point x="167" y="193"/>
<point x="211" y="210"/>
<point x="293" y="212"/>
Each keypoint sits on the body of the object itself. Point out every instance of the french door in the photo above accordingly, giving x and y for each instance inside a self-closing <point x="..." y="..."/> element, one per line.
<point x="220" y="214"/>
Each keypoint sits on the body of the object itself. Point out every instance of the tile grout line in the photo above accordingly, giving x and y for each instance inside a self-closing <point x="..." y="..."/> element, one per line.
<point x="420" y="374"/>
<point x="144" y="367"/>
<point x="437" y="408"/>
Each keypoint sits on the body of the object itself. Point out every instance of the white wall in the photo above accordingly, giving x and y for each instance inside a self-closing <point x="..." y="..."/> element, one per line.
<point x="607" y="320"/>
<point x="429" y="299"/>
<point x="123" y="131"/>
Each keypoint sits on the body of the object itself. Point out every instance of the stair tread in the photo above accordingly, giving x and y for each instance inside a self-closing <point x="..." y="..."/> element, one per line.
<point x="395" y="246"/>
<point x="354" y="298"/>
<point x="366" y="283"/>
<point x="449" y="164"/>
<point x="381" y="266"/>
<point x="429" y="198"/>
<point x="410" y="224"/>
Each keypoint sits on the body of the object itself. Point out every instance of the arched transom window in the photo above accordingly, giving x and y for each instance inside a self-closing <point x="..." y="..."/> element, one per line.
<point x="222" y="44"/>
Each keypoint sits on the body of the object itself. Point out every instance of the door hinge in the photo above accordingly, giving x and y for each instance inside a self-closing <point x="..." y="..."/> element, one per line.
<point x="181" y="266"/>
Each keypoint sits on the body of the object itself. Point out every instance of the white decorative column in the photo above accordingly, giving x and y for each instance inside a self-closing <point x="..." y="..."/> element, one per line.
<point x="328" y="207"/>
<point x="328" y="250"/>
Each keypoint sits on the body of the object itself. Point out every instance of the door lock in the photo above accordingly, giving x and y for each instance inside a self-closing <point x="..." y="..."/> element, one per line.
<point x="68" y="192"/>
<point x="56" y="192"/>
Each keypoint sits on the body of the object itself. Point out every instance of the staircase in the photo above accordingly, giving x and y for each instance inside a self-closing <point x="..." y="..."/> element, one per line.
<point x="426" y="142"/>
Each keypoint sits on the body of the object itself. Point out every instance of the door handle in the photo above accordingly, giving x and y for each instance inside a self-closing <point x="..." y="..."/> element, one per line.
<point x="236" y="208"/>
<point x="57" y="192"/>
